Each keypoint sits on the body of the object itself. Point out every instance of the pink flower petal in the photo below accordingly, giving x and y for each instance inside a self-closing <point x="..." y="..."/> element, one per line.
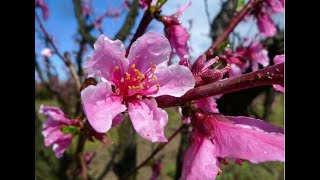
<point x="278" y="88"/>
<point x="276" y="5"/>
<point x="101" y="106"/>
<point x="61" y="146"/>
<point x="149" y="49"/>
<point x="178" y="38"/>
<point x="207" y="104"/>
<point x="55" y="114"/>
<point x="53" y="136"/>
<point x="183" y="8"/>
<point x="248" y="138"/>
<point x="234" y="71"/>
<point x="200" y="161"/>
<point x="174" y="80"/>
<point x="266" y="26"/>
<point x="258" y="55"/>
<point x="107" y="56"/>
<point x="148" y="120"/>
<point x="278" y="59"/>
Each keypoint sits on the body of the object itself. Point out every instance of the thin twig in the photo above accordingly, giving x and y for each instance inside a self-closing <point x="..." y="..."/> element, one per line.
<point x="160" y="146"/>
<point x="84" y="29"/>
<point x="234" y="22"/>
<point x="66" y="61"/>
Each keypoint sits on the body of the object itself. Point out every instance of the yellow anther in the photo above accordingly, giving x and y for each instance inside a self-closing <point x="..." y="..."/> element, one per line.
<point x="137" y="72"/>
<point x="129" y="87"/>
<point x="133" y="66"/>
<point x="141" y="76"/>
<point x="134" y="79"/>
<point x="141" y="86"/>
<point x="116" y="68"/>
<point x="153" y="69"/>
<point x="158" y="85"/>
<point x="127" y="76"/>
<point x="122" y="80"/>
<point x="153" y="78"/>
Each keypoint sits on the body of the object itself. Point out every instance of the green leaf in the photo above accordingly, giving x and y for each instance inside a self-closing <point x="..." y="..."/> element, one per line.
<point x="69" y="129"/>
<point x="240" y="5"/>
<point x="223" y="45"/>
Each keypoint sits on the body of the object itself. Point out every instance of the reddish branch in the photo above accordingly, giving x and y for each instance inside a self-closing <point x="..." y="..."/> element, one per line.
<point x="267" y="76"/>
<point x="66" y="60"/>
<point x="234" y="22"/>
<point x="161" y="146"/>
<point x="145" y="21"/>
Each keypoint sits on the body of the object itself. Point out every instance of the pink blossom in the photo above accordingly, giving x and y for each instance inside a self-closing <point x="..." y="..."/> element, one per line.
<point x="257" y="55"/>
<point x="266" y="25"/>
<point x="144" y="4"/>
<point x="276" y="5"/>
<point x="52" y="129"/>
<point x="200" y="161"/>
<point x="130" y="84"/>
<point x="204" y="74"/>
<point x="263" y="13"/>
<point x="177" y="34"/>
<point x="178" y="37"/>
<point x="243" y="56"/>
<point x="44" y="8"/>
<point x="46" y="52"/>
<point x="236" y="59"/>
<point x="218" y="136"/>
<point x="277" y="60"/>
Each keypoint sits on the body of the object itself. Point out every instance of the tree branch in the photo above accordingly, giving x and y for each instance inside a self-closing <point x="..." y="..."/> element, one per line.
<point x="66" y="60"/>
<point x="145" y="21"/>
<point x="129" y="22"/>
<point x="160" y="146"/>
<point x="234" y="22"/>
<point x="84" y="29"/>
<point x="266" y="76"/>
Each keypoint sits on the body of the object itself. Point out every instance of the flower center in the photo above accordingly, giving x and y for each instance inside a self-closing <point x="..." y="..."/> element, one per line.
<point x="134" y="84"/>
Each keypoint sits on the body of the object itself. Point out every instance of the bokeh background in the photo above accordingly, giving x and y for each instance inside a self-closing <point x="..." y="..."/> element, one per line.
<point x="54" y="86"/>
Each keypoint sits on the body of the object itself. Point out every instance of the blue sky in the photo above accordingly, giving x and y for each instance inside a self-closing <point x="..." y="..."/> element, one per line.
<point x="62" y="25"/>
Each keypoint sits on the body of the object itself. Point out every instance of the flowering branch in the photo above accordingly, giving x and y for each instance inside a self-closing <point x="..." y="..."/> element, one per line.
<point x="160" y="146"/>
<point x="266" y="76"/>
<point x="66" y="59"/>
<point x="234" y="22"/>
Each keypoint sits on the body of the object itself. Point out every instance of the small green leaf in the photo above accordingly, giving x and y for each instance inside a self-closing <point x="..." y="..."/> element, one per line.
<point x="240" y="5"/>
<point x="223" y="45"/>
<point x="69" y="129"/>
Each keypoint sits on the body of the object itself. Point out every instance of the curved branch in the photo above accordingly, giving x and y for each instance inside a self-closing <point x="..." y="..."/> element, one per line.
<point x="129" y="22"/>
<point x="160" y="146"/>
<point x="66" y="59"/>
<point x="145" y="21"/>
<point x="83" y="27"/>
<point x="234" y="22"/>
<point x="266" y="76"/>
